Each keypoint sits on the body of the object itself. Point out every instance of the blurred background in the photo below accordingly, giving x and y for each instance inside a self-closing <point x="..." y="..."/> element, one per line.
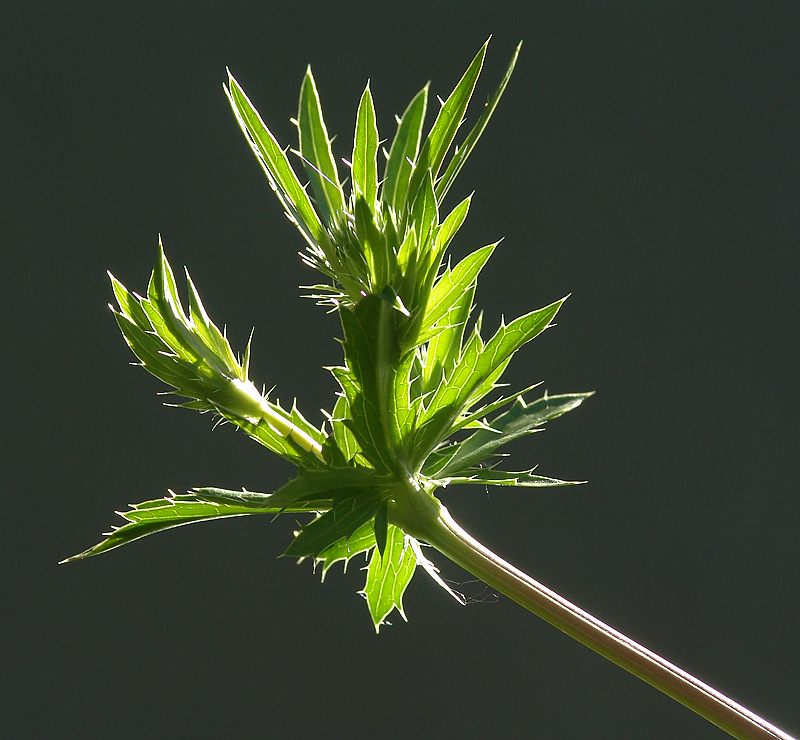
<point x="644" y="159"/>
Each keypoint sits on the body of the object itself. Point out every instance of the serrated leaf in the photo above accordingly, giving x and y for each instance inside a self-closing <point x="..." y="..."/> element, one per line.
<point x="252" y="500"/>
<point x="149" y="517"/>
<point x="444" y="347"/>
<point x="210" y="334"/>
<point x="362" y="540"/>
<point x="388" y="575"/>
<point x="519" y="420"/>
<point x="315" y="149"/>
<point x="147" y="348"/>
<point x="329" y="485"/>
<point x="477" y="370"/>
<point x="452" y="286"/>
<point x="340" y="522"/>
<point x="403" y="152"/>
<point x="425" y="213"/>
<point x="365" y="151"/>
<point x="479" y="363"/>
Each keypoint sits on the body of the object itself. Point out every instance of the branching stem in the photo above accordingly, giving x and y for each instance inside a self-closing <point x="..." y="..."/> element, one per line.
<point x="451" y="540"/>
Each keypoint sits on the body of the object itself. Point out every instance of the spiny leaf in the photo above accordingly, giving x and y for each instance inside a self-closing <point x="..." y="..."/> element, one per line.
<point x="346" y="516"/>
<point x="457" y="162"/>
<point x="252" y="500"/>
<point x="519" y="420"/>
<point x="452" y="224"/>
<point x="173" y="511"/>
<point x="491" y="477"/>
<point x="362" y="540"/>
<point x="445" y="345"/>
<point x="478" y="369"/>
<point x="272" y="158"/>
<point x="479" y="363"/>
<point x="388" y="575"/>
<point x="194" y="357"/>
<point x="451" y="286"/>
<point x="379" y="256"/>
<point x="315" y="149"/>
<point x="446" y="125"/>
<point x="403" y="152"/>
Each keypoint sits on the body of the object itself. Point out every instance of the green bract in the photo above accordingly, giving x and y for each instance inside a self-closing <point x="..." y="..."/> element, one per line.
<point x="418" y="408"/>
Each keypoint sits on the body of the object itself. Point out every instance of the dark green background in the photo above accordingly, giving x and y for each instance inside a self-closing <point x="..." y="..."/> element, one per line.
<point x="645" y="159"/>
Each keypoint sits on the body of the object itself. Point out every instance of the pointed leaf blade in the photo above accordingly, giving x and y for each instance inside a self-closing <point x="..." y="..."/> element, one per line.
<point x="273" y="160"/>
<point x="460" y="157"/>
<point x="403" y="152"/>
<point x="339" y="523"/>
<point x="362" y="540"/>
<point x="149" y="517"/>
<point x="452" y="285"/>
<point x="519" y="420"/>
<point x="315" y="149"/>
<point x="446" y="125"/>
<point x="388" y="576"/>
<point x="365" y="150"/>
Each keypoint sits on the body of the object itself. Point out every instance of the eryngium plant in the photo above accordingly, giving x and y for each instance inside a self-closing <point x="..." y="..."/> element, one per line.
<point x="418" y="408"/>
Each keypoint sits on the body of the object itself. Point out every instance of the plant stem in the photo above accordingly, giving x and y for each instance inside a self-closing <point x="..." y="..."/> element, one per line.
<point x="451" y="540"/>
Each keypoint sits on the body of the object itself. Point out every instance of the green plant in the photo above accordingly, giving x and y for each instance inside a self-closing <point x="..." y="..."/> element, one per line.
<point x="418" y="408"/>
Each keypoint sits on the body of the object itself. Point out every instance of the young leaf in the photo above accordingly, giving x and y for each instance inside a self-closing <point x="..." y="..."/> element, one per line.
<point x="452" y="224"/>
<point x="403" y="152"/>
<point x="315" y="149"/>
<point x="457" y="162"/>
<point x="445" y="345"/>
<point x="379" y="256"/>
<point x="365" y="150"/>
<point x="477" y="365"/>
<point x="210" y="334"/>
<point x="446" y="125"/>
<point x="388" y="575"/>
<point x="424" y="213"/>
<point x="451" y="286"/>
<point x="173" y="511"/>
<point x="478" y="369"/>
<point x="273" y="160"/>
